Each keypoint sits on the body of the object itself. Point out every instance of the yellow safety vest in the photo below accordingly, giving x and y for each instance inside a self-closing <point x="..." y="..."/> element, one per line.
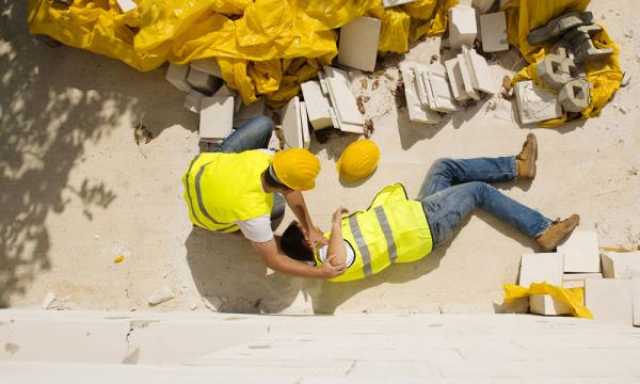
<point x="393" y="230"/>
<point x="224" y="188"/>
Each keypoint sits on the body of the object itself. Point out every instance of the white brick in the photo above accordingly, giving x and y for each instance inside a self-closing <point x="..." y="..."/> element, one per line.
<point x="304" y="125"/>
<point x="635" y="291"/>
<point x="127" y="5"/>
<point x="467" y="81"/>
<point x="317" y="105"/>
<point x="193" y="101"/>
<point x="209" y="66"/>
<point x="548" y="306"/>
<point x="344" y="104"/>
<point x="216" y="118"/>
<point x="581" y="252"/>
<point x="394" y="3"/>
<point x="541" y="267"/>
<point x="535" y="104"/>
<point x="291" y="124"/>
<point x="463" y="27"/>
<point x="177" y="76"/>
<point x="248" y="112"/>
<point x="414" y="107"/>
<point x="439" y="94"/>
<point x="455" y="80"/>
<point x="621" y="265"/>
<point x="610" y="300"/>
<point x="201" y="81"/>
<point x="493" y="30"/>
<point x="358" y="47"/>
<point x="576" y="280"/>
<point x="481" y="76"/>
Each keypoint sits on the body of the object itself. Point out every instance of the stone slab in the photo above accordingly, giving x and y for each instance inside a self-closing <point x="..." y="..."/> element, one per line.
<point x="202" y="81"/>
<point x="577" y="280"/>
<point x="358" y="46"/>
<point x="304" y="125"/>
<point x="610" y="300"/>
<point x="292" y="125"/>
<point x="126" y="5"/>
<point x="177" y="76"/>
<point x="316" y="104"/>
<point x="193" y="101"/>
<point x="414" y="107"/>
<point x="467" y="80"/>
<point x="621" y="265"/>
<point x="541" y="267"/>
<point x="216" y="118"/>
<point x="463" y="27"/>
<point x="547" y="306"/>
<point x="209" y="66"/>
<point x="482" y="77"/>
<point x="581" y="252"/>
<point x="343" y="100"/>
<point x="455" y="80"/>
<point x="493" y="32"/>
<point x="635" y="291"/>
<point x="439" y="95"/>
<point x="535" y="104"/>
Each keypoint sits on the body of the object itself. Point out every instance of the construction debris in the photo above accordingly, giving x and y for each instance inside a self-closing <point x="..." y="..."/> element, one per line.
<point x="536" y="104"/>
<point x="546" y="305"/>
<point x="161" y="296"/>
<point x="463" y="27"/>
<point x="621" y="265"/>
<point x="558" y="26"/>
<point x="292" y="124"/>
<point x="193" y="101"/>
<point x="541" y="267"/>
<point x="580" y="43"/>
<point x="317" y="105"/>
<point x="493" y="32"/>
<point x="216" y="118"/>
<point x="177" y="76"/>
<point x="208" y="66"/>
<point x="345" y="113"/>
<point x="610" y="300"/>
<point x="48" y="301"/>
<point x="556" y="69"/>
<point x="581" y="252"/>
<point x="577" y="280"/>
<point x="394" y="3"/>
<point x="358" y="47"/>
<point x="202" y="81"/>
<point x="575" y="95"/>
<point x="417" y="112"/>
<point x="125" y="5"/>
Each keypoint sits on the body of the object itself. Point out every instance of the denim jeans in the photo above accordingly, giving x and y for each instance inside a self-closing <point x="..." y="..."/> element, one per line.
<point x="253" y="134"/>
<point x="454" y="188"/>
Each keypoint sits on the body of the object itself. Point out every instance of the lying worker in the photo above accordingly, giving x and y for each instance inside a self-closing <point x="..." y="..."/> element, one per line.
<point x="398" y="230"/>
<point x="233" y="188"/>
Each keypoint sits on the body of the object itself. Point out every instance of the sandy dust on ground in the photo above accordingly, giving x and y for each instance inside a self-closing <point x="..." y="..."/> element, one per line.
<point x="76" y="190"/>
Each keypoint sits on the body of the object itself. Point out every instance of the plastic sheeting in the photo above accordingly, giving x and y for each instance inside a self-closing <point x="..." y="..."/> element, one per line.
<point x="572" y="297"/>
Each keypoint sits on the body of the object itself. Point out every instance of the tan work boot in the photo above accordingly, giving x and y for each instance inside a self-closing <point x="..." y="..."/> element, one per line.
<point x="556" y="232"/>
<point x="526" y="159"/>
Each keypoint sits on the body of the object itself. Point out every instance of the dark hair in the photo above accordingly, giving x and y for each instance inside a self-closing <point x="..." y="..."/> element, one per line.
<point x="272" y="181"/>
<point x="294" y="245"/>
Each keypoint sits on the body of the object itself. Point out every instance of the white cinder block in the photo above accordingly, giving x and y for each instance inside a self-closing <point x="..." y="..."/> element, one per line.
<point x="201" y="81"/>
<point x="610" y="300"/>
<point x="481" y="76"/>
<point x="414" y="107"/>
<point x="577" y="280"/>
<point x="439" y="94"/>
<point x="581" y="252"/>
<point x="493" y="31"/>
<point x="127" y="5"/>
<point x="635" y="291"/>
<point x="541" y="267"/>
<point x="193" y="101"/>
<point x="467" y="81"/>
<point x="535" y="104"/>
<point x="394" y="3"/>
<point x="248" y="112"/>
<point x="291" y="124"/>
<point x="177" y="76"/>
<point x="547" y="305"/>
<point x="209" y="66"/>
<point x="304" y="125"/>
<point x="455" y="80"/>
<point x="317" y="105"/>
<point x="358" y="47"/>
<point x="216" y="118"/>
<point x="463" y="27"/>
<point x="344" y="103"/>
<point x="621" y="265"/>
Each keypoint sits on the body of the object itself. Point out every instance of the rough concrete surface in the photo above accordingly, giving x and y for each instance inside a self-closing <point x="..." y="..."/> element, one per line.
<point x="76" y="191"/>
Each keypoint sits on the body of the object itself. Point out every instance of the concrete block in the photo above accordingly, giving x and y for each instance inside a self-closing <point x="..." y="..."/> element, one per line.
<point x="535" y="104"/>
<point x="358" y="46"/>
<point x="202" y="82"/>
<point x="576" y="280"/>
<point x="292" y="125"/>
<point x="467" y="81"/>
<point x="455" y="80"/>
<point x="541" y="267"/>
<point x="635" y="292"/>
<point x="556" y="69"/>
<point x="216" y="118"/>
<point x="193" y="101"/>
<point x="493" y="32"/>
<point x="481" y="76"/>
<point x="581" y="44"/>
<point x="621" y="265"/>
<point x="558" y="26"/>
<point x="439" y="95"/>
<point x="304" y="125"/>
<point x="395" y="3"/>
<point x="209" y="66"/>
<point x="581" y="252"/>
<point x="317" y="105"/>
<point x="127" y="5"/>
<point x="548" y="306"/>
<point x="463" y="27"/>
<point x="248" y="112"/>
<point x="414" y="107"/>
<point x="610" y="300"/>
<point x="575" y="95"/>
<point x="483" y="6"/>
<point x="177" y="76"/>
<point x="344" y="103"/>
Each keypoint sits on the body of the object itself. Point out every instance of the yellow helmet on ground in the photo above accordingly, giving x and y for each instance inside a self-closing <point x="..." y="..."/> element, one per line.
<point x="297" y="168"/>
<point x="359" y="160"/>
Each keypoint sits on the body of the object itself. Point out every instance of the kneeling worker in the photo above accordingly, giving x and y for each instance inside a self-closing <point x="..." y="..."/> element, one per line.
<point x="398" y="230"/>
<point x="233" y="188"/>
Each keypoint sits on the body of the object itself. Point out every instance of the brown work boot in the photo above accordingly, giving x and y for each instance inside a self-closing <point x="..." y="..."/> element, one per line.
<point x="557" y="232"/>
<point x="526" y="159"/>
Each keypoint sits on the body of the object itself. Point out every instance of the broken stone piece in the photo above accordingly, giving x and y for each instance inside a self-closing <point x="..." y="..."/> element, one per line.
<point x="202" y="82"/>
<point x="556" y="69"/>
<point x="292" y="124"/>
<point x="621" y="265"/>
<point x="558" y="26"/>
<point x="216" y="118"/>
<point x="358" y="47"/>
<point x="579" y="41"/>
<point x="575" y="95"/>
<point x="193" y="101"/>
<point x="536" y="104"/>
<point x="414" y="107"/>
<point x="541" y="267"/>
<point x="394" y="3"/>
<point x="126" y="5"/>
<point x="48" y="301"/>
<point x="316" y="104"/>
<point x="177" y="76"/>
<point x="581" y="252"/>
<point x="161" y="296"/>
<point x="548" y="306"/>
<point x="209" y="66"/>
<point x="493" y="32"/>
<point x="610" y="300"/>
<point x="463" y="27"/>
<point x="577" y="280"/>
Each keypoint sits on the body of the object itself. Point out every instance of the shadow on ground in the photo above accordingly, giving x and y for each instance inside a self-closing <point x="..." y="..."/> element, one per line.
<point x="54" y="101"/>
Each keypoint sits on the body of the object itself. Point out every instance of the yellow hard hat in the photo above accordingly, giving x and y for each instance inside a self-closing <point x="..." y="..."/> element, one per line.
<point x="359" y="160"/>
<point x="296" y="168"/>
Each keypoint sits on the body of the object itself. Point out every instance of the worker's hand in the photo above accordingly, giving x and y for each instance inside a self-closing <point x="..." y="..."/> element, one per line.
<point x="315" y="238"/>
<point x="337" y="215"/>
<point x="329" y="270"/>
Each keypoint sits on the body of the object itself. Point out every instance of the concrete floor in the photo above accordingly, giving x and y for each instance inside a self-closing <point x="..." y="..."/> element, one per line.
<point x="76" y="190"/>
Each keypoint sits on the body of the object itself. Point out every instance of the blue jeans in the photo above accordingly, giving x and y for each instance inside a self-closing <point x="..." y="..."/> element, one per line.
<point x="454" y="188"/>
<point x="253" y="134"/>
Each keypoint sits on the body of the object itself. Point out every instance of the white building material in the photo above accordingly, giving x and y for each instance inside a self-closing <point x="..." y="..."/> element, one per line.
<point x="577" y="280"/>
<point x="127" y="5"/>
<point x="635" y="292"/>
<point x="535" y="104"/>
<point x="439" y="96"/>
<point x="292" y="125"/>
<point x="248" y="112"/>
<point x="467" y="80"/>
<point x="201" y="81"/>
<point x="317" y="105"/>
<point x="394" y="3"/>
<point x="481" y="76"/>
<point x="581" y="252"/>
<point x="455" y="80"/>
<point x="610" y="300"/>
<point x="621" y="265"/>
<point x="209" y="66"/>
<point x="177" y="76"/>
<point x="548" y="306"/>
<point x="216" y="118"/>
<point x="162" y="295"/>
<point x="493" y="31"/>
<point x="193" y="101"/>
<point x="463" y="27"/>
<point x="304" y="125"/>
<point x="358" y="47"/>
<point x="541" y="267"/>
<point x="414" y="107"/>
<point x="344" y="103"/>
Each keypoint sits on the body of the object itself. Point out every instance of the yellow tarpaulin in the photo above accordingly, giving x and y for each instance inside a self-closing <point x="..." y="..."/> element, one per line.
<point x="605" y="75"/>
<point x="572" y="297"/>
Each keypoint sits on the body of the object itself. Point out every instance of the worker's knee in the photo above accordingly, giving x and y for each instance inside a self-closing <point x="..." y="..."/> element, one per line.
<point x="441" y="165"/>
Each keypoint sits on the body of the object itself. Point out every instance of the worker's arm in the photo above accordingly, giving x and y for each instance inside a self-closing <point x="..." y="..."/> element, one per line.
<point x="277" y="261"/>
<point x="337" y="252"/>
<point x="312" y="234"/>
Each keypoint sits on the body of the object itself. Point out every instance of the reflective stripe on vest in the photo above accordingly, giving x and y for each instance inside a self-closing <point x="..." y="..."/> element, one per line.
<point x="189" y="197"/>
<point x="362" y="245"/>
<point x="388" y="235"/>
<point x="203" y="209"/>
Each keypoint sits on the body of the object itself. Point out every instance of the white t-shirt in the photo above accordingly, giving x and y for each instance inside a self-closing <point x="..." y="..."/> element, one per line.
<point x="351" y="256"/>
<point x="258" y="229"/>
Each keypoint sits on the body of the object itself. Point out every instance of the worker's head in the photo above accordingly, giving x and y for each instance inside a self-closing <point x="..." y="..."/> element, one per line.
<point x="294" y="169"/>
<point x="294" y="245"/>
